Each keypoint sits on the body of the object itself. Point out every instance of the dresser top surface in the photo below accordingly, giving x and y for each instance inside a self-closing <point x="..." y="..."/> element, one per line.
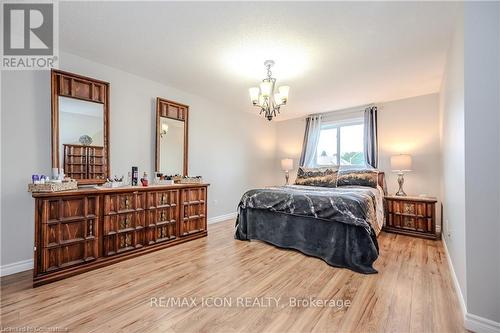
<point x="411" y="198"/>
<point x="123" y="189"/>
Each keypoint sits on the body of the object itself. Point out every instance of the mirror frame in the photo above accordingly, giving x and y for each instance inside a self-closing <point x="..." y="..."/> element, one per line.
<point x="76" y="86"/>
<point x="177" y="111"/>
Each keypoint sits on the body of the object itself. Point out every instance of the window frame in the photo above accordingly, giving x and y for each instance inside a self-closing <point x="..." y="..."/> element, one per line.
<point x="338" y="124"/>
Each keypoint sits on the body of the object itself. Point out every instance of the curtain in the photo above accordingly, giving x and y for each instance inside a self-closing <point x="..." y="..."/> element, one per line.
<point x="370" y="136"/>
<point x="311" y="139"/>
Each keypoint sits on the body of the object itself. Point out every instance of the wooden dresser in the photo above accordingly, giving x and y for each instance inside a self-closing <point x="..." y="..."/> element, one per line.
<point x="77" y="231"/>
<point x="414" y="216"/>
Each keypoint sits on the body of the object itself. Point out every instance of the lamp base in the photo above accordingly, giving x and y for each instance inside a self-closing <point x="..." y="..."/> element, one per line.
<point x="401" y="181"/>
<point x="287" y="177"/>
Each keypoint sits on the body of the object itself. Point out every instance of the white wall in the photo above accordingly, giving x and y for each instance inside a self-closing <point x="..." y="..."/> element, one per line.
<point x="231" y="149"/>
<point x="482" y="158"/>
<point x="411" y="126"/>
<point x="470" y="118"/>
<point x="290" y="136"/>
<point x="400" y="131"/>
<point x="453" y="156"/>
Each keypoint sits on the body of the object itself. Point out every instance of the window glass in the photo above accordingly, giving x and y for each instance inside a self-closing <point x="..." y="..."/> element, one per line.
<point x="341" y="144"/>
<point x="351" y="145"/>
<point x="326" y="153"/>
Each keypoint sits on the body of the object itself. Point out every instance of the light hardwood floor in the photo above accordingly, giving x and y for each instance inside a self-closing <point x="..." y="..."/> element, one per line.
<point x="412" y="292"/>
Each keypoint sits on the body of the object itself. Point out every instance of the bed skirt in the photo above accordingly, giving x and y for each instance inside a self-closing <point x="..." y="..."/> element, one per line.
<point x="339" y="244"/>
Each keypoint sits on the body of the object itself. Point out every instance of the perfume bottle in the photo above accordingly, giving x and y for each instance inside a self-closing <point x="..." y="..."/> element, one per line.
<point x="135" y="176"/>
<point x="144" y="179"/>
<point x="129" y="178"/>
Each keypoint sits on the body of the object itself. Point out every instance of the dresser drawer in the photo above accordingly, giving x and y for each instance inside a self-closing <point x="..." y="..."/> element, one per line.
<point x="124" y="202"/>
<point x="193" y="212"/>
<point x="124" y="221"/>
<point x="124" y="241"/>
<point x="168" y="198"/>
<point x="69" y="232"/>
<point x="62" y="256"/>
<point x="162" y="224"/>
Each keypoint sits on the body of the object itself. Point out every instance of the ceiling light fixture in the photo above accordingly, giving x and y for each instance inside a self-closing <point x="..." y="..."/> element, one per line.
<point x="266" y="98"/>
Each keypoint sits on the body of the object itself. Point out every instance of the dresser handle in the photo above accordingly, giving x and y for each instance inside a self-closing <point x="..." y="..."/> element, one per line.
<point x="127" y="203"/>
<point x="124" y="223"/>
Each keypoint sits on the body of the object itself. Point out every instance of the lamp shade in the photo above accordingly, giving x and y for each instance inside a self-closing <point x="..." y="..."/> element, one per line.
<point x="401" y="162"/>
<point x="287" y="164"/>
<point x="284" y="92"/>
<point x="266" y="88"/>
<point x="254" y="94"/>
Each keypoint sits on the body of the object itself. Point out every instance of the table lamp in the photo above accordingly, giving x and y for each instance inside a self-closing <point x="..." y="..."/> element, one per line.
<point x="287" y="165"/>
<point x="401" y="164"/>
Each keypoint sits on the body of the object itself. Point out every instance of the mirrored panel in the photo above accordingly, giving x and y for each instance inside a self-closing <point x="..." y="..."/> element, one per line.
<point x="80" y="127"/>
<point x="81" y="138"/>
<point x="171" y="156"/>
<point x="171" y="146"/>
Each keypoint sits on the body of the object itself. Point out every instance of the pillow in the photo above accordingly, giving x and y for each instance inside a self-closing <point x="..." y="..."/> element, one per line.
<point x="358" y="176"/>
<point x="326" y="177"/>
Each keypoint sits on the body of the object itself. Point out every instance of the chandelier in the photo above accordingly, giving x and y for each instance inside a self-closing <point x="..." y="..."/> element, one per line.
<point x="266" y="98"/>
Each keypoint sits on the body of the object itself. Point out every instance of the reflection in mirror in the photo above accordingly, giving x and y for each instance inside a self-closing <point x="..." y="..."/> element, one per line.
<point x="81" y="138"/>
<point x="171" y="146"/>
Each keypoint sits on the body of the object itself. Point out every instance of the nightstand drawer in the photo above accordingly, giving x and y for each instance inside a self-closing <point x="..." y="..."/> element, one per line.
<point x="411" y="216"/>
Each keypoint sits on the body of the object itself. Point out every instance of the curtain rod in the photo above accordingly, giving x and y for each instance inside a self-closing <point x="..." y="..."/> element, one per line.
<point x="346" y="110"/>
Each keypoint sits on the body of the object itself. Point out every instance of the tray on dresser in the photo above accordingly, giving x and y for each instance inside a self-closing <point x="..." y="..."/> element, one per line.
<point x="191" y="180"/>
<point x="53" y="187"/>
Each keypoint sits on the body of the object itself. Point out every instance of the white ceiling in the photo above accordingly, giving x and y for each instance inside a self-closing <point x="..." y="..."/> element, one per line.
<point x="333" y="55"/>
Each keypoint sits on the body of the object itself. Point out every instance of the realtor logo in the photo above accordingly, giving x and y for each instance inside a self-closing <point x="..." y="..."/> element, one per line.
<point x="29" y="35"/>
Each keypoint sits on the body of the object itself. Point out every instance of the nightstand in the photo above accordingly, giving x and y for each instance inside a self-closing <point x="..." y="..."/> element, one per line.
<point x="414" y="216"/>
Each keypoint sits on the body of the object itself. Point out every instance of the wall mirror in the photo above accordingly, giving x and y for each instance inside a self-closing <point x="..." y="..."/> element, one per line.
<point x="80" y="127"/>
<point x="171" y="137"/>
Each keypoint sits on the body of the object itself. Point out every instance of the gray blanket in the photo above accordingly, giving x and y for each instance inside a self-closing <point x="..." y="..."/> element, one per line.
<point x="350" y="205"/>
<point x="329" y="223"/>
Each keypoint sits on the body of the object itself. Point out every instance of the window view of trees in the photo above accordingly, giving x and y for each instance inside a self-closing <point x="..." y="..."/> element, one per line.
<point x="341" y="144"/>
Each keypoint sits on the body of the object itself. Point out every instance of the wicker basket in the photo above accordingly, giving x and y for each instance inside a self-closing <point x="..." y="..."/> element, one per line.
<point x="191" y="180"/>
<point x="53" y="187"/>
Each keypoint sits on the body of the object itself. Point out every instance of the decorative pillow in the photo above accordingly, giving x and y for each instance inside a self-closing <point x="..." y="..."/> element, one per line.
<point x="358" y="176"/>
<point x="326" y="177"/>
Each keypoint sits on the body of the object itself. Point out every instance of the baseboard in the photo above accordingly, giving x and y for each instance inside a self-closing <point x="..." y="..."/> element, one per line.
<point x="481" y="325"/>
<point x="460" y="295"/>
<point x="221" y="218"/>
<point x="472" y="322"/>
<point x="16" y="267"/>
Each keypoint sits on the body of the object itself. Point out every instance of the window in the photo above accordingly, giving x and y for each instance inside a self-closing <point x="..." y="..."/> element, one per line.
<point x="341" y="144"/>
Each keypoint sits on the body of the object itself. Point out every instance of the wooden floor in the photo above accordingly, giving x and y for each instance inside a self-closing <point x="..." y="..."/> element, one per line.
<point x="412" y="292"/>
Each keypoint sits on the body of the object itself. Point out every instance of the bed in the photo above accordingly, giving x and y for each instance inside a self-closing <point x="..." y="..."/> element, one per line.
<point x="339" y="225"/>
